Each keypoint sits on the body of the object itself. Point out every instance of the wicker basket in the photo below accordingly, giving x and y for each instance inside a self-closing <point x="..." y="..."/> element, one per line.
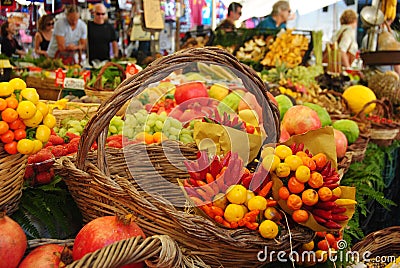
<point x="12" y="170"/>
<point x="106" y="187"/>
<point x="76" y="110"/>
<point x="97" y="90"/>
<point x="383" y="134"/>
<point x="156" y="251"/>
<point x="385" y="242"/>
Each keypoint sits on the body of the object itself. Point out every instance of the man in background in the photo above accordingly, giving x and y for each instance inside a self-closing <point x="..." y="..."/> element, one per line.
<point x="279" y="16"/>
<point x="234" y="13"/>
<point x="100" y="35"/>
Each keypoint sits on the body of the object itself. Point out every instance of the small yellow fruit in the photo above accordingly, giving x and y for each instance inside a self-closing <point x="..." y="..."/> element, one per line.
<point x="17" y="84"/>
<point x="257" y="202"/>
<point x="38" y="145"/>
<point x="337" y="192"/>
<point x="233" y="213"/>
<point x="283" y="151"/>
<point x="220" y="201"/>
<point x="26" y="109"/>
<point x="308" y="246"/>
<point x="266" y="151"/>
<point x="43" y="108"/>
<point x="293" y="161"/>
<point x="30" y="94"/>
<point x="25" y="146"/>
<point x="303" y="174"/>
<point x="250" y="195"/>
<point x="50" y="121"/>
<point x="268" y="229"/>
<point x="43" y="133"/>
<point x="35" y="120"/>
<point x="270" y="162"/>
<point x="271" y="213"/>
<point x="282" y="170"/>
<point x="5" y="89"/>
<point x="237" y="194"/>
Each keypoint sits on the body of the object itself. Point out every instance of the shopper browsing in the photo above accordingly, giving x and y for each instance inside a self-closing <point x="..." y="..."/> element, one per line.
<point x="10" y="45"/>
<point x="279" y="16"/>
<point x="234" y="13"/>
<point x="43" y="35"/>
<point x="100" y="35"/>
<point x="69" y="37"/>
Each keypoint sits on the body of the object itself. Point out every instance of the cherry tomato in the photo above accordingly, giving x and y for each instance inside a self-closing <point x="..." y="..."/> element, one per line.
<point x="17" y="124"/>
<point x="19" y="134"/>
<point x="7" y="137"/>
<point x="11" y="147"/>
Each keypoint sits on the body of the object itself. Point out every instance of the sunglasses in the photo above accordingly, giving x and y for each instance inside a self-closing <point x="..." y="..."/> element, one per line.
<point x="50" y="24"/>
<point x="100" y="14"/>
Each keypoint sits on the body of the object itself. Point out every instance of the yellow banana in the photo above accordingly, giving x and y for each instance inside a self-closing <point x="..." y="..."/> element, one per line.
<point x="383" y="7"/>
<point x="390" y="9"/>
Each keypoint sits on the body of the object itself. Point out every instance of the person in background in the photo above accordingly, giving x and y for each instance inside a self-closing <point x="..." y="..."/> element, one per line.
<point x="43" y="35"/>
<point x="346" y="38"/>
<point x="278" y="18"/>
<point x="10" y="45"/>
<point x="69" y="37"/>
<point x="100" y="35"/>
<point x="234" y="13"/>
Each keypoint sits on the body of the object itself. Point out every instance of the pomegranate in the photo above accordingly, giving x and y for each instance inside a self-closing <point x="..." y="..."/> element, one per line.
<point x="341" y="143"/>
<point x="46" y="256"/>
<point x="12" y="242"/>
<point x="102" y="232"/>
<point x="284" y="135"/>
<point x="300" y="119"/>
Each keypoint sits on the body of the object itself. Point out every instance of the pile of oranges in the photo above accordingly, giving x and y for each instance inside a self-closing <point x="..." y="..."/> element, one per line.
<point x="25" y="121"/>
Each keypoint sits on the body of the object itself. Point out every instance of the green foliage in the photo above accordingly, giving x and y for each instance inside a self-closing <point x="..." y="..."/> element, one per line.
<point x="367" y="177"/>
<point x="48" y="210"/>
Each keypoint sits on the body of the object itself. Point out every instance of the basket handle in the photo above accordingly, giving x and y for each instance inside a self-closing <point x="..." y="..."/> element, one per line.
<point x="97" y="127"/>
<point x="156" y="251"/>
<point x="386" y="110"/>
<point x="98" y="83"/>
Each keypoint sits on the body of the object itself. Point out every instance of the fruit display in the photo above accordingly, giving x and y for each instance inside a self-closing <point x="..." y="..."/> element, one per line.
<point x="357" y="96"/>
<point x="254" y="49"/>
<point x="386" y="85"/>
<point x="26" y="122"/>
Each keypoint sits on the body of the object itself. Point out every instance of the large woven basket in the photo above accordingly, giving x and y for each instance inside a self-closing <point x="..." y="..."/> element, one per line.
<point x="385" y="242"/>
<point x="97" y="89"/>
<point x="156" y="251"/>
<point x="75" y="110"/>
<point x="12" y="169"/>
<point x="107" y="187"/>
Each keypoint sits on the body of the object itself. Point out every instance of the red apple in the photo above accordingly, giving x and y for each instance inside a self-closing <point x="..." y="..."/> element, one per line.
<point x="300" y="119"/>
<point x="341" y="143"/>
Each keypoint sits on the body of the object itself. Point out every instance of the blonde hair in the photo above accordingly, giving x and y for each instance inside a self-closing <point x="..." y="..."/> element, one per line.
<point x="348" y="17"/>
<point x="280" y="6"/>
<point x="71" y="9"/>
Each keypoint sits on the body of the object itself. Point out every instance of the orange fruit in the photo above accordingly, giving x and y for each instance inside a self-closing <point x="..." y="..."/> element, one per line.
<point x="4" y="127"/>
<point x="308" y="162"/>
<point x="19" y="134"/>
<point x="3" y="104"/>
<point x="283" y="193"/>
<point x="323" y="245"/>
<point x="316" y="180"/>
<point x="330" y="238"/>
<point x="9" y="115"/>
<point x="159" y="137"/>
<point x="300" y="216"/>
<point x="320" y="160"/>
<point x="12" y="102"/>
<point x="294" y="202"/>
<point x="325" y="194"/>
<point x="301" y="154"/>
<point x="309" y="197"/>
<point x="295" y="186"/>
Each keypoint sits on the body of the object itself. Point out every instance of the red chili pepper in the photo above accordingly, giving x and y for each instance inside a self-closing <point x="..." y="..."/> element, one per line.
<point x="222" y="221"/>
<point x="338" y="210"/>
<point x="208" y="211"/>
<point x="322" y="213"/>
<point x="217" y="211"/>
<point x="251" y="225"/>
<point x="339" y="217"/>
<point x="226" y="159"/>
<point x="266" y="189"/>
<point x="327" y="205"/>
<point x="319" y="219"/>
<point x="326" y="169"/>
<point x="193" y="182"/>
<point x="215" y="166"/>
<point x="332" y="225"/>
<point x="334" y="198"/>
<point x="271" y="203"/>
<point x="331" y="186"/>
<point x="246" y="180"/>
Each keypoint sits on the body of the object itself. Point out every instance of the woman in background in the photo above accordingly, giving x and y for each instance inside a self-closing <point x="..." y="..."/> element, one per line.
<point x="43" y="36"/>
<point x="278" y="18"/>
<point x="10" y="45"/>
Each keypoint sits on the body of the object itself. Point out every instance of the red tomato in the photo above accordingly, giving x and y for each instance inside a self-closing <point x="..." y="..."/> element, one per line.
<point x="190" y="90"/>
<point x="7" y="137"/>
<point x="11" y="147"/>
<point x="19" y="134"/>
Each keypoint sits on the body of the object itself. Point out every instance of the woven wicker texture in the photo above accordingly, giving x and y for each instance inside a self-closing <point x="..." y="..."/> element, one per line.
<point x="76" y="111"/>
<point x="12" y="170"/>
<point x="384" y="242"/>
<point x="102" y="185"/>
<point x="97" y="90"/>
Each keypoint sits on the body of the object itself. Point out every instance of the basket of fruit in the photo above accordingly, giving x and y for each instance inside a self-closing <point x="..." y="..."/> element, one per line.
<point x="145" y="178"/>
<point x="109" y="77"/>
<point x="24" y="127"/>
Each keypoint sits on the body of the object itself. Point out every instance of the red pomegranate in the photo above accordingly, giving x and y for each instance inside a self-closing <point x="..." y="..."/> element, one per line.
<point x="46" y="256"/>
<point x="102" y="232"/>
<point x="12" y="242"/>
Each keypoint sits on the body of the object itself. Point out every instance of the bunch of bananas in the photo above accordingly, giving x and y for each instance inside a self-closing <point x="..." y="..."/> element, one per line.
<point x="388" y="8"/>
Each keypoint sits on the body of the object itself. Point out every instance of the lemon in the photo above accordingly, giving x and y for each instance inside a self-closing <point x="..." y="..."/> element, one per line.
<point x="268" y="229"/>
<point x="25" y="146"/>
<point x="43" y="133"/>
<point x="308" y="246"/>
<point x="26" y="109"/>
<point x="250" y="195"/>
<point x="5" y="89"/>
<point x="283" y="151"/>
<point x="271" y="213"/>
<point x="257" y="202"/>
<point x="233" y="213"/>
<point x="38" y="145"/>
<point x="17" y="84"/>
<point x="303" y="174"/>
<point x="50" y="121"/>
<point x="236" y="194"/>
<point x="270" y="162"/>
<point x="43" y="108"/>
<point x="282" y="170"/>
<point x="220" y="201"/>
<point x="35" y="120"/>
<point x="267" y="150"/>
<point x="245" y="209"/>
<point x="30" y="94"/>
<point x="293" y="161"/>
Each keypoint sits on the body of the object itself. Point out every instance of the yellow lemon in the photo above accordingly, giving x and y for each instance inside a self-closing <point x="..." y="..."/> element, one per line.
<point x="268" y="229"/>
<point x="271" y="213"/>
<point x="245" y="209"/>
<point x="303" y="174"/>
<point x="38" y="145"/>
<point x="282" y="170"/>
<point x="30" y="94"/>
<point x="220" y="201"/>
<point x="267" y="150"/>
<point x="250" y="195"/>
<point x="233" y="213"/>
<point x="50" y="121"/>
<point x="43" y="133"/>
<point x="35" y="120"/>
<point x="17" y="84"/>
<point x="5" y="89"/>
<point x="237" y="194"/>
<point x="43" y="108"/>
<point x="26" y="109"/>
<point x="293" y="161"/>
<point x="283" y="151"/>
<point x="270" y="162"/>
<point x="25" y="146"/>
<point x="257" y="202"/>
